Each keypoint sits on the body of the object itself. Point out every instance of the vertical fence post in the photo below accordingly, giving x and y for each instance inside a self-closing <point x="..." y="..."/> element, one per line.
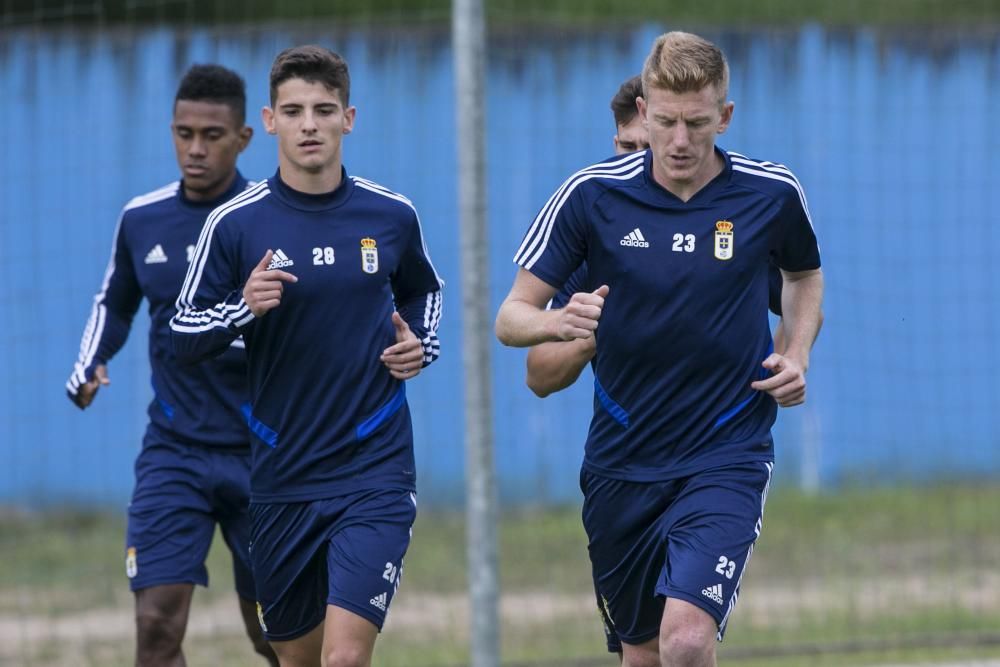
<point x="469" y="39"/>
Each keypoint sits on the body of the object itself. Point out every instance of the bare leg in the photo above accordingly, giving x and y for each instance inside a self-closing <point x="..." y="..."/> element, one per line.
<point x="248" y="609"/>
<point x="302" y="651"/>
<point x="687" y="636"/>
<point x="641" y="655"/>
<point x="349" y="639"/>
<point x="161" y="616"/>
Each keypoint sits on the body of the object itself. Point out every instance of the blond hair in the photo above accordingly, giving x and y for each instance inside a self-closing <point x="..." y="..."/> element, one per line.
<point x="683" y="63"/>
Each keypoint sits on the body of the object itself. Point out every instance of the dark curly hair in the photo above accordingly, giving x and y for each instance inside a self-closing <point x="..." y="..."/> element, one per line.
<point x="214" y="83"/>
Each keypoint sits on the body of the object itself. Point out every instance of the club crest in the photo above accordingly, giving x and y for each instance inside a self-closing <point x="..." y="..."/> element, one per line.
<point x="260" y="617"/>
<point x="369" y="256"/>
<point x="723" y="240"/>
<point x="131" y="564"/>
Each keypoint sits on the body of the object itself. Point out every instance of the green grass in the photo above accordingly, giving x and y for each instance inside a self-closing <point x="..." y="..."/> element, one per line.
<point x="858" y="578"/>
<point x="919" y="656"/>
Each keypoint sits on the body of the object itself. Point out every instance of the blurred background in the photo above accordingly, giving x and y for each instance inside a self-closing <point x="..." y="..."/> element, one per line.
<point x="881" y="539"/>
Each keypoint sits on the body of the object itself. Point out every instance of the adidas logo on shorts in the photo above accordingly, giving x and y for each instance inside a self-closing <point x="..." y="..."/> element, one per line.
<point x="713" y="593"/>
<point x="379" y="601"/>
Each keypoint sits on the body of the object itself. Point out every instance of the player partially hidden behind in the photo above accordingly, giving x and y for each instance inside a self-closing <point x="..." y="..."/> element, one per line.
<point x="630" y="135"/>
<point x="677" y="242"/>
<point x="328" y="279"/>
<point x="194" y="468"/>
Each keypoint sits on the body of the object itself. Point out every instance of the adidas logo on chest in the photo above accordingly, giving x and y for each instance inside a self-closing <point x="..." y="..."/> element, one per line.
<point x="634" y="239"/>
<point x="279" y="260"/>
<point x="156" y="255"/>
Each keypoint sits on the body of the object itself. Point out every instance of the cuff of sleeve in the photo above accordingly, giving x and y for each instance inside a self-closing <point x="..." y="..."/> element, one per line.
<point x="80" y="376"/>
<point x="432" y="347"/>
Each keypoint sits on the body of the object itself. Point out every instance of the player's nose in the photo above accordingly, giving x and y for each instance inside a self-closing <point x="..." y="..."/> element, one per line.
<point x="198" y="147"/>
<point x="308" y="122"/>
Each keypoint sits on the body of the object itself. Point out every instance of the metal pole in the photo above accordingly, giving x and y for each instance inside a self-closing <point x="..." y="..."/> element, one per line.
<point x="469" y="39"/>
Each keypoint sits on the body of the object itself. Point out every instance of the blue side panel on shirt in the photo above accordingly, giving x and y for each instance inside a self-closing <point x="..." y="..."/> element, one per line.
<point x="731" y="412"/>
<point x="168" y="409"/>
<point x="616" y="411"/>
<point x="267" y="435"/>
<point x="368" y="426"/>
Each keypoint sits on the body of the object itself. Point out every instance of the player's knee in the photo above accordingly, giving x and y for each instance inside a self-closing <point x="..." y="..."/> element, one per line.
<point x="263" y="648"/>
<point x="641" y="656"/>
<point x="687" y="645"/>
<point x="158" y="635"/>
<point x="347" y="656"/>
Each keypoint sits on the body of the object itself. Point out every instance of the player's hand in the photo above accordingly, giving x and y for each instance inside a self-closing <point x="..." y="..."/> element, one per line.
<point x="578" y="319"/>
<point x="264" y="288"/>
<point x="787" y="383"/>
<point x="404" y="359"/>
<point x="88" y="390"/>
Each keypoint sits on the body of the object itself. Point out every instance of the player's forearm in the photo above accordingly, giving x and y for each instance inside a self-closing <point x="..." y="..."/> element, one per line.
<point x="423" y="315"/>
<point x="200" y="334"/>
<point x="111" y="316"/>
<point x="554" y="366"/>
<point x="779" y="337"/>
<point x="522" y="324"/>
<point x="112" y="337"/>
<point x="190" y="348"/>
<point x="801" y="305"/>
<point x="104" y="335"/>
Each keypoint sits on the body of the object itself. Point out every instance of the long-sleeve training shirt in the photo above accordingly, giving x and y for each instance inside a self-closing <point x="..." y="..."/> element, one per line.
<point x="153" y="243"/>
<point x="326" y="415"/>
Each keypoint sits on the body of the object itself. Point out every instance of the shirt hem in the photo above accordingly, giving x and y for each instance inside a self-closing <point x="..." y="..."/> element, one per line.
<point x="333" y="490"/>
<point x="674" y="472"/>
<point x="178" y="438"/>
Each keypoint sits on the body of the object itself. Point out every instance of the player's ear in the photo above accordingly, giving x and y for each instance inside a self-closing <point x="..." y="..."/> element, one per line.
<point x="640" y="104"/>
<point x="246" y="134"/>
<point x="349" y="115"/>
<point x="727" y="117"/>
<point x="267" y="117"/>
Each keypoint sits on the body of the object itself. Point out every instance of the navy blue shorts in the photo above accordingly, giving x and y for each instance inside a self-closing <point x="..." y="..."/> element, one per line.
<point x="345" y="551"/>
<point x="688" y="539"/>
<point x="181" y="492"/>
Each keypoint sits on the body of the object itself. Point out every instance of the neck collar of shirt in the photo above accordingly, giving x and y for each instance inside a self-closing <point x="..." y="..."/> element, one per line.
<point x="238" y="185"/>
<point x="310" y="202"/>
<point x="720" y="180"/>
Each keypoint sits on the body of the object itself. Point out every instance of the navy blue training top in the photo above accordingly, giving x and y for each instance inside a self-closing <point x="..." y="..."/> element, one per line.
<point x="153" y="244"/>
<point x="684" y="328"/>
<point x="580" y="282"/>
<point x="327" y="416"/>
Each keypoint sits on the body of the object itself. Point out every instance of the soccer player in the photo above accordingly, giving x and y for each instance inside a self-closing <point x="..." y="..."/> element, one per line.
<point x="677" y="241"/>
<point x="328" y="279"/>
<point x="630" y="135"/>
<point x="194" y="467"/>
<point x="553" y="366"/>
